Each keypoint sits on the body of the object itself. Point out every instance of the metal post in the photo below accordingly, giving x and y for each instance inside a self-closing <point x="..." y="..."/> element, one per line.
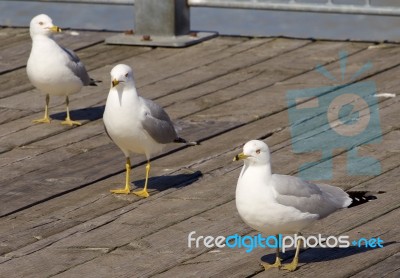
<point x="161" y="23"/>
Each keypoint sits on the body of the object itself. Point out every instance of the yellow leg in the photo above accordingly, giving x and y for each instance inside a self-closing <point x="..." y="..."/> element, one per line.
<point x="293" y="265"/>
<point x="46" y="118"/>
<point x="143" y="192"/>
<point x="277" y="263"/>
<point x="127" y="188"/>
<point x="68" y="120"/>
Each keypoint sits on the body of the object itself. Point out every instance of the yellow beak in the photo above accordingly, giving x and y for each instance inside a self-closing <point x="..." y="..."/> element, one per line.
<point x="240" y="157"/>
<point x="115" y="82"/>
<point x="55" y="29"/>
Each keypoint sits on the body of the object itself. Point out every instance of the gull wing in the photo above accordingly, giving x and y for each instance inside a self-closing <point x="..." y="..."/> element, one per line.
<point x="157" y="123"/>
<point x="321" y="199"/>
<point x="77" y="67"/>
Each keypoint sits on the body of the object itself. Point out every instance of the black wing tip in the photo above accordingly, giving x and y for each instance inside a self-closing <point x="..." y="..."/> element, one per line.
<point x="362" y="197"/>
<point x="94" y="82"/>
<point x="184" y="141"/>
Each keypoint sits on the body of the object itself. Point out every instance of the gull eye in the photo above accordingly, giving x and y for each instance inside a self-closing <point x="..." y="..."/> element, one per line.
<point x="126" y="75"/>
<point x="258" y="151"/>
<point x="41" y="23"/>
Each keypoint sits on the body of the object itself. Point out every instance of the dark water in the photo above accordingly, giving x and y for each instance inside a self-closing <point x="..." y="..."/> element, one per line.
<point x="225" y="21"/>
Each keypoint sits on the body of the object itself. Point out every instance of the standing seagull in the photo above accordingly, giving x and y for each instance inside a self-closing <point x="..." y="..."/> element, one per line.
<point x="136" y="124"/>
<point x="52" y="69"/>
<point x="279" y="204"/>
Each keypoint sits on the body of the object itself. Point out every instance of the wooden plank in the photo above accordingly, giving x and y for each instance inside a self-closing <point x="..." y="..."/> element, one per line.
<point x="273" y="50"/>
<point x="346" y="262"/>
<point x="227" y="62"/>
<point x="80" y="206"/>
<point x="329" y="262"/>
<point x="259" y="104"/>
<point x="9" y="114"/>
<point x="168" y="246"/>
<point x="63" y="173"/>
<point x="209" y="148"/>
<point x="22" y="101"/>
<point x="17" y="53"/>
<point x="12" y="127"/>
<point x="101" y="54"/>
<point x="12" y="104"/>
<point x="12" y="36"/>
<point x="226" y="262"/>
<point x="44" y="184"/>
<point x="16" y="101"/>
<point x="389" y="267"/>
<point x="188" y="193"/>
<point x="107" y="148"/>
<point x="150" y="70"/>
<point x="262" y="77"/>
<point x="105" y="54"/>
<point x="16" y="82"/>
<point x="237" y="263"/>
<point x="64" y="217"/>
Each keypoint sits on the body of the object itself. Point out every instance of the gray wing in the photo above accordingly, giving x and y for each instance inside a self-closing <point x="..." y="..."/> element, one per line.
<point x="77" y="67"/>
<point x="157" y="123"/>
<point x="318" y="199"/>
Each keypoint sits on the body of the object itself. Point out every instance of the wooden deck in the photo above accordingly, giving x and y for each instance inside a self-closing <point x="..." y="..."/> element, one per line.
<point x="58" y="218"/>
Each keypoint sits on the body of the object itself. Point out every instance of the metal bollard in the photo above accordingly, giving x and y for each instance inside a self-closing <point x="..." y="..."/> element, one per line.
<point x="161" y="23"/>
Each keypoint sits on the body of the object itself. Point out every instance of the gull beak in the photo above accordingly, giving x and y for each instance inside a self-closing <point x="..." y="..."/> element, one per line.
<point x="55" y="29"/>
<point x="240" y="157"/>
<point x="115" y="82"/>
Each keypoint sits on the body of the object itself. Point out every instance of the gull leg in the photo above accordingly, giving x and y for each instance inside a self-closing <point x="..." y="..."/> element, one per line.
<point x="277" y="263"/>
<point x="127" y="188"/>
<point x="46" y="118"/>
<point x="68" y="120"/>
<point x="293" y="265"/>
<point x="143" y="192"/>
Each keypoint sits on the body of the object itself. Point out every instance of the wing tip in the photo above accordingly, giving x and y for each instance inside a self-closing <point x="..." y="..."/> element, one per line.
<point x="362" y="197"/>
<point x="93" y="82"/>
<point x="184" y="141"/>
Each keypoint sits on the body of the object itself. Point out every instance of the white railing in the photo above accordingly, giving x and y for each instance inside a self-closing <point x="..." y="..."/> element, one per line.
<point x="167" y="22"/>
<point x="102" y="2"/>
<point x="328" y="6"/>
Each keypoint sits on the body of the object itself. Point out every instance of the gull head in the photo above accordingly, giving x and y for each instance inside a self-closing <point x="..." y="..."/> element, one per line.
<point x="121" y="75"/>
<point x="254" y="152"/>
<point x="42" y="25"/>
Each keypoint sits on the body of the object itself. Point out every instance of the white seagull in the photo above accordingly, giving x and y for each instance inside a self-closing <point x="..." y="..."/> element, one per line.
<point x="280" y="204"/>
<point x="136" y="124"/>
<point x="52" y="69"/>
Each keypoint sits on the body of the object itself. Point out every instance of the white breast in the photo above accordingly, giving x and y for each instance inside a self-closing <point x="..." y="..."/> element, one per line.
<point x="47" y="69"/>
<point x="122" y="118"/>
<point x="257" y="206"/>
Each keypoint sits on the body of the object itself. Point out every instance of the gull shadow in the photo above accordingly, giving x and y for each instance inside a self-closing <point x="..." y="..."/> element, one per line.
<point x="161" y="183"/>
<point x="90" y="113"/>
<point x="319" y="254"/>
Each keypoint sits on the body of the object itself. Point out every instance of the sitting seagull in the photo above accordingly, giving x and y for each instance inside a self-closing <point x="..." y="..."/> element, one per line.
<point x="279" y="204"/>
<point x="136" y="124"/>
<point x="52" y="69"/>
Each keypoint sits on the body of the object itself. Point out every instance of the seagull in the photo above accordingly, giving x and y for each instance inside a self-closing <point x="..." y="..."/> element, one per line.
<point x="53" y="69"/>
<point x="280" y="204"/>
<point x="136" y="124"/>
